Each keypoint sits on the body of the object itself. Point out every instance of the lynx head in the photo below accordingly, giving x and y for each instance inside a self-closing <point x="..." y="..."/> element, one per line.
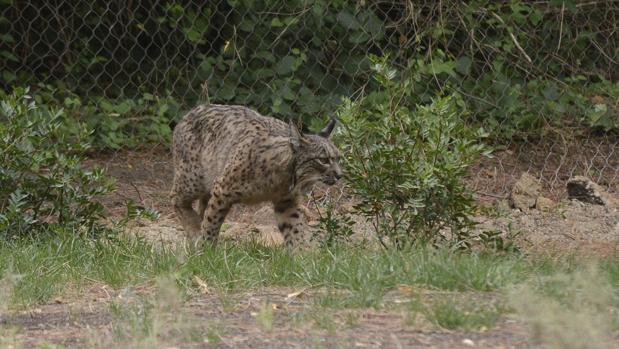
<point x="317" y="159"/>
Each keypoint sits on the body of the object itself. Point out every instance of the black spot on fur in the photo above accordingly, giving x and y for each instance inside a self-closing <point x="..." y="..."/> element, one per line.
<point x="284" y="226"/>
<point x="281" y="207"/>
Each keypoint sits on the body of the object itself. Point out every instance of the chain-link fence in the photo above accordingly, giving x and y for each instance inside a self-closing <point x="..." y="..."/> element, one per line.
<point x="540" y="76"/>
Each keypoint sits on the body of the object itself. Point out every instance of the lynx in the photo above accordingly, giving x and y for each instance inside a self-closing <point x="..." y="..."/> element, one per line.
<point x="225" y="155"/>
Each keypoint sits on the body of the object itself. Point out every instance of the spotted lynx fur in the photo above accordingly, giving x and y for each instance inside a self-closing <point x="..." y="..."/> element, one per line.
<point x="225" y="155"/>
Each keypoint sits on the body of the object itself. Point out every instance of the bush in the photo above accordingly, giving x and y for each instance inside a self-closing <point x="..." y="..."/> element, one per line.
<point x="42" y="181"/>
<point x="116" y="123"/>
<point x="405" y="162"/>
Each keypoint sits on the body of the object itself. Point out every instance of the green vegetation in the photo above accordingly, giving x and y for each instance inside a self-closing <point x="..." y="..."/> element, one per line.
<point x="524" y="69"/>
<point x="405" y="162"/>
<point x="43" y="185"/>
<point x="50" y="267"/>
<point x="538" y="288"/>
<point x="473" y="315"/>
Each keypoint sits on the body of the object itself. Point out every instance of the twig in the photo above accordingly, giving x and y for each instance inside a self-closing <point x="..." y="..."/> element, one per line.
<point x="511" y="35"/>
<point x="137" y="191"/>
<point x="205" y="99"/>
<point x="492" y="195"/>
<point x="561" y="26"/>
<point x="596" y="45"/>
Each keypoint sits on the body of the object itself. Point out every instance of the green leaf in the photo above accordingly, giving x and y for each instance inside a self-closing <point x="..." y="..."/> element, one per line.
<point x="263" y="73"/>
<point x="123" y="108"/>
<point x="8" y="76"/>
<point x="463" y="65"/>
<point x="275" y="23"/>
<point x="8" y="55"/>
<point x="348" y="20"/>
<point x="193" y="35"/>
<point x="226" y="92"/>
<point x="551" y="92"/>
<point x="7" y="38"/>
<point x="286" y="65"/>
<point x="247" y="25"/>
<point x="358" y="37"/>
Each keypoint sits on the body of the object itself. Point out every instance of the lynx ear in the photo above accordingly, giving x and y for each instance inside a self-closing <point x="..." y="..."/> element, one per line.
<point x="326" y="132"/>
<point x="295" y="136"/>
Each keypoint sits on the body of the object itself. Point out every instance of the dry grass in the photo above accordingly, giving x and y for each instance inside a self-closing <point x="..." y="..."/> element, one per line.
<point x="568" y="311"/>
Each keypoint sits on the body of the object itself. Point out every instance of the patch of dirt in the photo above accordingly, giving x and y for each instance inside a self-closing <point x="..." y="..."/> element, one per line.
<point x="146" y="177"/>
<point x="554" y="160"/>
<point x="569" y="226"/>
<point x="295" y="324"/>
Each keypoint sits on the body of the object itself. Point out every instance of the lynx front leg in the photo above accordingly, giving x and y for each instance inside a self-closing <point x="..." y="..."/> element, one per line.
<point x="216" y="211"/>
<point x="202" y="204"/>
<point x="185" y="213"/>
<point x="288" y="221"/>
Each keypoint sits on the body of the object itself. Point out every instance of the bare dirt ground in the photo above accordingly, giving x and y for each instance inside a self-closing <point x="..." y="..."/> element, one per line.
<point x="568" y="225"/>
<point x="88" y="323"/>
<point x="145" y="177"/>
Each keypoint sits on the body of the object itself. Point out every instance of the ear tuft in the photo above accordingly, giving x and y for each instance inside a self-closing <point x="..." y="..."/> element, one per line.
<point x="326" y="132"/>
<point x="295" y="136"/>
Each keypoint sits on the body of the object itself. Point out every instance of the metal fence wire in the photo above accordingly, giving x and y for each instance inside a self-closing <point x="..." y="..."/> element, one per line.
<point x="540" y="75"/>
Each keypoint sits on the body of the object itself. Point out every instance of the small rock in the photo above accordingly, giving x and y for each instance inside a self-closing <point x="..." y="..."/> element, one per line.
<point x="502" y="205"/>
<point x="347" y="207"/>
<point x="544" y="204"/>
<point x="583" y="189"/>
<point x="525" y="192"/>
<point x="468" y="343"/>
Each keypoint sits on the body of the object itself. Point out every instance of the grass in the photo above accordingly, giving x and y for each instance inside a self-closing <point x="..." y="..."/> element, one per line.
<point x="451" y="314"/>
<point x="543" y="290"/>
<point x="570" y="310"/>
<point x="53" y="267"/>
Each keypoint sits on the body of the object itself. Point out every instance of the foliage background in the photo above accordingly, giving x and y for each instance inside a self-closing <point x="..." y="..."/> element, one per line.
<point x="533" y="74"/>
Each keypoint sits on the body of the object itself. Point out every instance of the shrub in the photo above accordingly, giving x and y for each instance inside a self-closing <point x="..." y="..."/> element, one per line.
<point x="405" y="162"/>
<point x="334" y="227"/>
<point x="42" y="181"/>
<point x="116" y="123"/>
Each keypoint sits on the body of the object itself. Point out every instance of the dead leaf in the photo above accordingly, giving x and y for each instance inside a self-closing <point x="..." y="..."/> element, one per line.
<point x="489" y="173"/>
<point x="201" y="284"/>
<point x="300" y="294"/>
<point x="405" y="289"/>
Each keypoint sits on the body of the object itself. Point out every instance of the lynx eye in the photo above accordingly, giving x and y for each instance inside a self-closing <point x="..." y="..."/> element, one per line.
<point x="322" y="161"/>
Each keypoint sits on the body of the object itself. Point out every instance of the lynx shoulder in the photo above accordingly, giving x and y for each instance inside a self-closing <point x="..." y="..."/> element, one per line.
<point x="225" y="155"/>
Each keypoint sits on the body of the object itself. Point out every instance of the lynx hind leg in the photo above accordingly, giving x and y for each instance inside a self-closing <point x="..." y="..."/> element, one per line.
<point x="288" y="219"/>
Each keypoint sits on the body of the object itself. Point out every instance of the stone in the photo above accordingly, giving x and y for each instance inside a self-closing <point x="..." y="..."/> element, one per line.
<point x="525" y="192"/>
<point x="468" y="342"/>
<point x="544" y="204"/>
<point x="502" y="205"/>
<point x="583" y="189"/>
